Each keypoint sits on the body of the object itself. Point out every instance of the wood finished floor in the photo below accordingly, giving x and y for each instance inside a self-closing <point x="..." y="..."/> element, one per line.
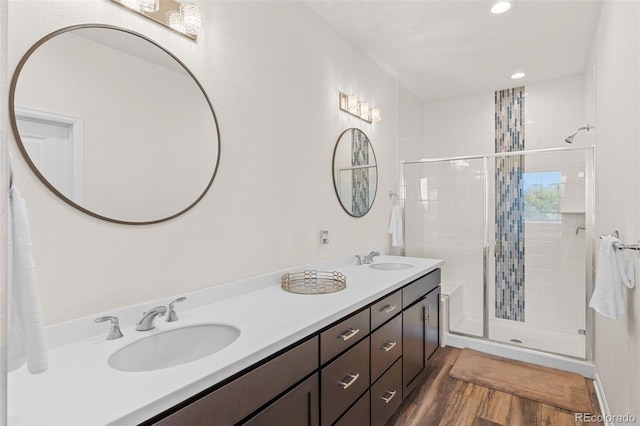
<point x="442" y="400"/>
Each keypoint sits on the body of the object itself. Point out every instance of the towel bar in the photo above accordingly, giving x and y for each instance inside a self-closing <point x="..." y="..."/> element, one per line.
<point x="622" y="246"/>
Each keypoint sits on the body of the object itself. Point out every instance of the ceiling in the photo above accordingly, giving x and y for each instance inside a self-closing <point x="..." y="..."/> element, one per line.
<point x="445" y="49"/>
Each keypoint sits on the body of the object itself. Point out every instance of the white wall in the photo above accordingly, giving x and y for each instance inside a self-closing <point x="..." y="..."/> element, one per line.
<point x="463" y="126"/>
<point x="273" y="71"/>
<point x="617" y="71"/>
<point x="410" y="125"/>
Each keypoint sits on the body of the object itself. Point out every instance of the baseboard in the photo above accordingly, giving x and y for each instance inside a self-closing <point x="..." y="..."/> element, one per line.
<point x="602" y="400"/>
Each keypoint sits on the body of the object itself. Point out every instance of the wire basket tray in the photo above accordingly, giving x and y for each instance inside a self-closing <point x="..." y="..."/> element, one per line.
<point x="313" y="282"/>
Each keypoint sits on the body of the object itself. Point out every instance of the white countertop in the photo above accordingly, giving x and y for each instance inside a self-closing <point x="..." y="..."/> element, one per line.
<point x="79" y="388"/>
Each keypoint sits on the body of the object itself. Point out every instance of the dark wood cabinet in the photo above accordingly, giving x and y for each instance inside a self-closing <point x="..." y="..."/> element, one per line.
<point x="420" y="337"/>
<point x="354" y="372"/>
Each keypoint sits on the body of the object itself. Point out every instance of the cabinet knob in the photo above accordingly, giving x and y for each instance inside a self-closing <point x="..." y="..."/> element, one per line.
<point x="352" y="380"/>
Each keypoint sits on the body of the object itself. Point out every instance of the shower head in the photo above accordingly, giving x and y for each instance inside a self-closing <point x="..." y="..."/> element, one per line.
<point x="569" y="139"/>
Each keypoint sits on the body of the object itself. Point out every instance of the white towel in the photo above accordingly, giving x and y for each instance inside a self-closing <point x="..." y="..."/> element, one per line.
<point x="395" y="226"/>
<point x="26" y="331"/>
<point x="615" y="269"/>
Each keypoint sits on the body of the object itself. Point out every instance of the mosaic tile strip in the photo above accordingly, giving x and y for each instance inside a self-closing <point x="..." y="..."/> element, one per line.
<point x="509" y="206"/>
<point x="360" y="181"/>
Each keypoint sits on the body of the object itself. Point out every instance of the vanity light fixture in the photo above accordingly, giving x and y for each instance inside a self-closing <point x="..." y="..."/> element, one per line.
<point x="361" y="109"/>
<point x="181" y="16"/>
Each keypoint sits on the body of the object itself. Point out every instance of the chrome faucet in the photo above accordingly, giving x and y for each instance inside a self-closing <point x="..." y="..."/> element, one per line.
<point x="114" y="331"/>
<point x="172" y="316"/>
<point x="358" y="260"/>
<point x="369" y="258"/>
<point x="146" y="322"/>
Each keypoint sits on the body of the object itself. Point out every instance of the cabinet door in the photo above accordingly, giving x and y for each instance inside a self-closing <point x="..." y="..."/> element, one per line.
<point x="298" y="407"/>
<point x="413" y="344"/>
<point x="432" y="318"/>
<point x="420" y="337"/>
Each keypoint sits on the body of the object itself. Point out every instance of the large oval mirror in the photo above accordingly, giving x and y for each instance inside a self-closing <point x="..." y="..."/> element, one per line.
<point x="355" y="172"/>
<point x="114" y="124"/>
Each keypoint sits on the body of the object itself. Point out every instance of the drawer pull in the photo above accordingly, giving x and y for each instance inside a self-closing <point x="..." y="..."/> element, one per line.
<point x="349" y="334"/>
<point x="388" y="308"/>
<point x="389" y="345"/>
<point x="352" y="377"/>
<point x="388" y="398"/>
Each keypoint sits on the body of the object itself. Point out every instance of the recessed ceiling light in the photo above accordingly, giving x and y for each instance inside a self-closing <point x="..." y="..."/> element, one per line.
<point x="500" y="6"/>
<point x="517" y="75"/>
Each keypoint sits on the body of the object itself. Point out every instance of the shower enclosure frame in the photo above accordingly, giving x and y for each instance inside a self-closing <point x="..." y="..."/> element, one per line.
<point x="590" y="159"/>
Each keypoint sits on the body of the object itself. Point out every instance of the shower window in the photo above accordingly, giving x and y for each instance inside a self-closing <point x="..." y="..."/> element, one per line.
<point x="542" y="196"/>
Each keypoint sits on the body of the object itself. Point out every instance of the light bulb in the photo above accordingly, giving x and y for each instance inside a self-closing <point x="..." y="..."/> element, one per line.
<point x="352" y="104"/>
<point x="375" y="114"/>
<point x="174" y="20"/>
<point x="365" y="110"/>
<point x="500" y="7"/>
<point x="149" y="5"/>
<point x="131" y="4"/>
<point x="191" y="17"/>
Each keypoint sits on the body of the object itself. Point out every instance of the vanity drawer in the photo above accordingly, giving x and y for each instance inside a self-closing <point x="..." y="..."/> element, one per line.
<point x="358" y="415"/>
<point x="343" y="335"/>
<point x="420" y="287"/>
<point x="386" y="395"/>
<point x="241" y="397"/>
<point x="344" y="381"/>
<point x="385" y="309"/>
<point x="386" y="346"/>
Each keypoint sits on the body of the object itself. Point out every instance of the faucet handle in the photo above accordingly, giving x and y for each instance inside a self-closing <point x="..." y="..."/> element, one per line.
<point x="114" y="331"/>
<point x="358" y="260"/>
<point x="172" y="316"/>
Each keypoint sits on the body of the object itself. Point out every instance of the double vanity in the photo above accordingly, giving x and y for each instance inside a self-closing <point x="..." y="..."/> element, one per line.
<point x="347" y="357"/>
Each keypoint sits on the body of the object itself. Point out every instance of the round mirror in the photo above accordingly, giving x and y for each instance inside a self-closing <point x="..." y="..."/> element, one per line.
<point x="114" y="124"/>
<point x="355" y="172"/>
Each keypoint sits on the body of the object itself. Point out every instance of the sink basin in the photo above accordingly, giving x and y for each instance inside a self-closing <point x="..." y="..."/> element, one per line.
<point x="391" y="266"/>
<point x="173" y="347"/>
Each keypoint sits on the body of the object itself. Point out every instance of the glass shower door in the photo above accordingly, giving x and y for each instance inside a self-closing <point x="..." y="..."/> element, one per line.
<point x="445" y="211"/>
